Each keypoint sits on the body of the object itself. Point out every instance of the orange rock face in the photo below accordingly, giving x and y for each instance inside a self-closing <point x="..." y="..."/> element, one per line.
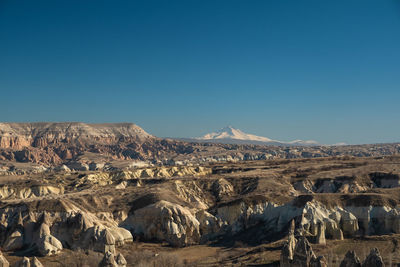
<point x="14" y="142"/>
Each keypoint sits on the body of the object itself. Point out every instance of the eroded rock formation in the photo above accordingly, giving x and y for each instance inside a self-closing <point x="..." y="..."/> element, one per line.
<point x="166" y="221"/>
<point x="24" y="262"/>
<point x="103" y="210"/>
<point x="373" y="259"/>
<point x="299" y="253"/>
<point x="110" y="260"/>
<point x="3" y="261"/>
<point x="350" y="260"/>
<point x="64" y="143"/>
<point x="36" y="263"/>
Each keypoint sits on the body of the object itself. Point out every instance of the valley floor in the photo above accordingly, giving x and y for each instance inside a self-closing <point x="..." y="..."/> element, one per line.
<point x="156" y="254"/>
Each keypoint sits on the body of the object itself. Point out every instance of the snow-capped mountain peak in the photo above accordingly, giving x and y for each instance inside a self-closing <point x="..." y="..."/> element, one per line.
<point x="231" y="133"/>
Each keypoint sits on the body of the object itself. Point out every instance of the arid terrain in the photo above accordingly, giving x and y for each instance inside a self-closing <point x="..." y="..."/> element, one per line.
<point x="113" y="195"/>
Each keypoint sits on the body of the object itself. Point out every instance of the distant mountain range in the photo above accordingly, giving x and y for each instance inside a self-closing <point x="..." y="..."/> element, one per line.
<point x="231" y="135"/>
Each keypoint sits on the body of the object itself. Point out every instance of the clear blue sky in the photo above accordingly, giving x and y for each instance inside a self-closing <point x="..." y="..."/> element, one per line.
<point x="322" y="70"/>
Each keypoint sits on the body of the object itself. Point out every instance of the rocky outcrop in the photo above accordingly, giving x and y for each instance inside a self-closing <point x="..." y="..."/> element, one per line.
<point x="15" y="241"/>
<point x="24" y="262"/>
<point x="183" y="212"/>
<point x="6" y="192"/>
<point x="385" y="180"/>
<point x="320" y="238"/>
<point x="222" y="188"/>
<point x="299" y="253"/>
<point x="36" y="234"/>
<point x="36" y="263"/>
<point x="46" y="233"/>
<point x="333" y="230"/>
<point x="165" y="221"/>
<point x="64" y="143"/>
<point x="62" y="168"/>
<point x="315" y="219"/>
<point x="107" y="241"/>
<point x="109" y="260"/>
<point x="305" y="186"/>
<point x="349" y="223"/>
<point x="77" y="166"/>
<point x="343" y="185"/>
<point x="350" y="260"/>
<point x="161" y="172"/>
<point x="42" y="134"/>
<point x="179" y="225"/>
<point x="101" y="238"/>
<point x="122" y="179"/>
<point x="288" y="248"/>
<point x="303" y="254"/>
<point x="120" y="260"/>
<point x="46" y="243"/>
<point x="374" y="259"/>
<point x="121" y="235"/>
<point x="58" y="143"/>
<point x="319" y="262"/>
<point x="61" y="143"/>
<point x="3" y="261"/>
<point x="191" y="193"/>
<point x="209" y="225"/>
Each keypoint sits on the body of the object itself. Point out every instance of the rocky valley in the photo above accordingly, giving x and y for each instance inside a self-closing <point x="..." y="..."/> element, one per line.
<point x="75" y="194"/>
<point x="82" y="146"/>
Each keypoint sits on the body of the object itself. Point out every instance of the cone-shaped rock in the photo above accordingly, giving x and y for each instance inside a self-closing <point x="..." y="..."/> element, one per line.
<point x="36" y="263"/>
<point x="350" y="260"/>
<point x="374" y="259"/>
<point x="303" y="253"/>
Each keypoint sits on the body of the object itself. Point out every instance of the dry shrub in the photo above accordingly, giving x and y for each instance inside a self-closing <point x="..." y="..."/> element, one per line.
<point x="148" y="258"/>
<point x="80" y="258"/>
<point x="333" y="259"/>
<point x="139" y="258"/>
<point x="165" y="260"/>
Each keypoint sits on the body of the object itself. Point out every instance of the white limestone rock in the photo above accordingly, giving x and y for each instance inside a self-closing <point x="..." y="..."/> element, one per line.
<point x="166" y="221"/>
